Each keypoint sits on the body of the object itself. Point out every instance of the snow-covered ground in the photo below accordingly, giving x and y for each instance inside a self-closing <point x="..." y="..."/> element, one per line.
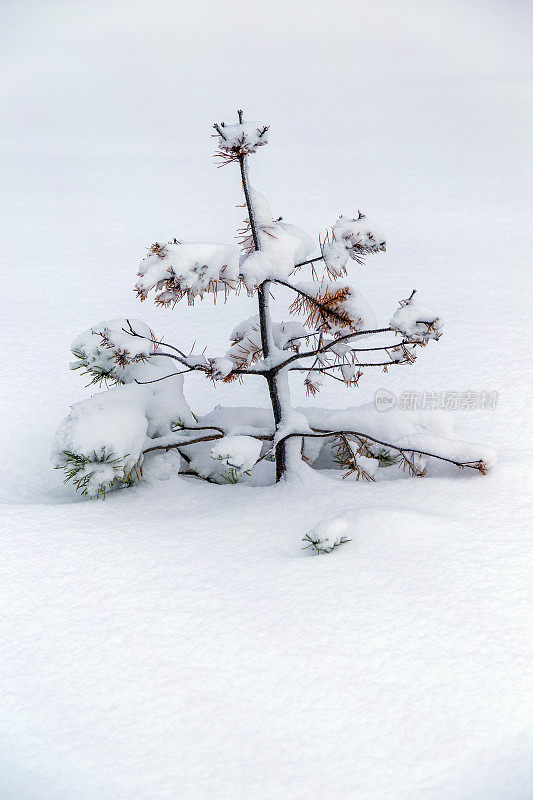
<point x="175" y="641"/>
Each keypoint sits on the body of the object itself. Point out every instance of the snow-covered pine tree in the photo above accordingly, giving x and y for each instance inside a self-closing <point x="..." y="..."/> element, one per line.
<point x="332" y="335"/>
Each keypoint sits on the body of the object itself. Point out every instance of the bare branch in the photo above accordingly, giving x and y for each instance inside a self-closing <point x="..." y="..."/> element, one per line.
<point x="305" y="336"/>
<point x="329" y="346"/>
<point x="346" y="364"/>
<point x="132" y="332"/>
<point x="219" y="131"/>
<point x="164" y="377"/>
<point x="183" y="361"/>
<point x="249" y="206"/>
<point x="182" y="444"/>
<point x="191" y="473"/>
<point x="309" y="261"/>
<point x="200" y="428"/>
<point x="374" y="349"/>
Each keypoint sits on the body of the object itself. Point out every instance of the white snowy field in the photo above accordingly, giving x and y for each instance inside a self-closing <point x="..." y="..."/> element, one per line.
<point x="175" y="641"/>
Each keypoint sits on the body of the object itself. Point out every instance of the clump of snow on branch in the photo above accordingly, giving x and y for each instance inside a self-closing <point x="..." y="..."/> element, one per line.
<point x="350" y="238"/>
<point x="288" y="334"/>
<point x="350" y="374"/>
<point x="366" y="466"/>
<point x="238" y="453"/>
<point x="292" y="421"/>
<point x="108" y="354"/>
<point x="246" y="345"/>
<point x="229" y="460"/>
<point x="128" y="340"/>
<point x="327" y="535"/>
<point x="240" y="139"/>
<point x="416" y="322"/>
<point x="246" y="342"/>
<point x="103" y="438"/>
<point x="162" y="465"/>
<point x="220" y="367"/>
<point x="316" y="376"/>
<point x="281" y="246"/>
<point x="187" y="269"/>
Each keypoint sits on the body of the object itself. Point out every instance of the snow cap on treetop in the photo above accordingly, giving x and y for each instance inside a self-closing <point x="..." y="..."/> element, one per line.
<point x="240" y="139"/>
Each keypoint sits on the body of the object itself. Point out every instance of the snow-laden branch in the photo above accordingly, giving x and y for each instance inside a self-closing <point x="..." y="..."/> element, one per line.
<point x="478" y="464"/>
<point x="180" y="269"/>
<point x="349" y="238"/>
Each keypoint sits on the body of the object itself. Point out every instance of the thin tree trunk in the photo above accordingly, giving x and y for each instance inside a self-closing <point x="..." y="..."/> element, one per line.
<point x="265" y="325"/>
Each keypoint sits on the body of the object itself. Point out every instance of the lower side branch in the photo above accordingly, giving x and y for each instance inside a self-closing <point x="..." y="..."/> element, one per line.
<point x="405" y="451"/>
<point x="280" y="451"/>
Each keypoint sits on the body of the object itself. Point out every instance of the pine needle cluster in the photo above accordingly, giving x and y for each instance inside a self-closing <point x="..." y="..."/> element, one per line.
<point x="80" y="469"/>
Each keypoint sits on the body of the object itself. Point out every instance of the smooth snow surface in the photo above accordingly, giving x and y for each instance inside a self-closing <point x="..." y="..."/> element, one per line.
<point x="176" y="641"/>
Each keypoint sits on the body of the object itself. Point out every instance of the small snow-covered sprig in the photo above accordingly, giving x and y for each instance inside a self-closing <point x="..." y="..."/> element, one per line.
<point x="124" y="354"/>
<point x="108" y="354"/>
<point x="326" y="536"/>
<point x="98" y="372"/>
<point x="98" y="473"/>
<point x="354" y="456"/>
<point x="350" y="238"/>
<point x="416" y="322"/>
<point x="240" y="139"/>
